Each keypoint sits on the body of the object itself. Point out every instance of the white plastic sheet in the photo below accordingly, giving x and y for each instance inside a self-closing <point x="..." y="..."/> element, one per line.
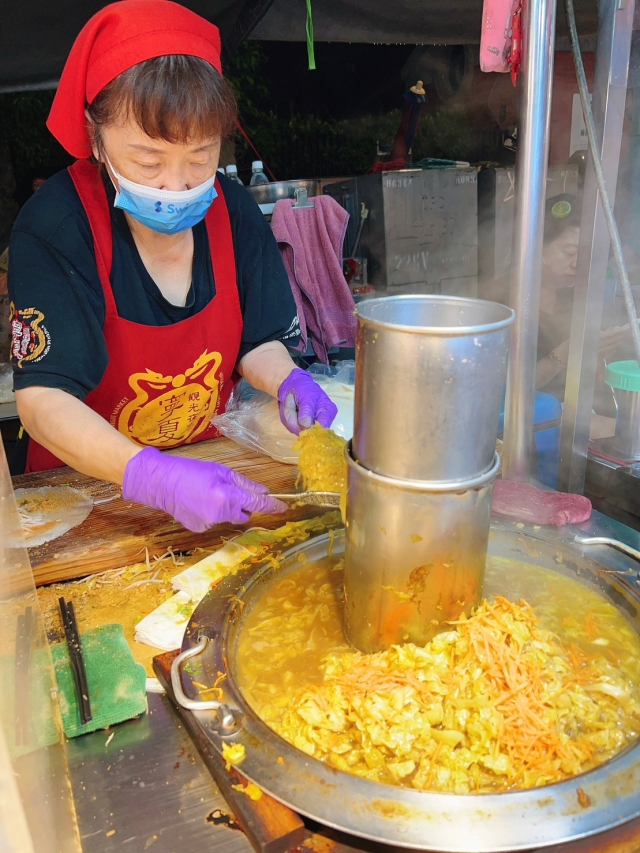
<point x="252" y="418"/>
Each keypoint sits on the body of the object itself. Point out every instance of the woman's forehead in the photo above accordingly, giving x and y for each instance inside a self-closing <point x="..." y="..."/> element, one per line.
<point x="569" y="235"/>
<point x="132" y="137"/>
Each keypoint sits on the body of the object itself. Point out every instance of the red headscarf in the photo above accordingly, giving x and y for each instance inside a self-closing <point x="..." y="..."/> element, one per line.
<point x="118" y="37"/>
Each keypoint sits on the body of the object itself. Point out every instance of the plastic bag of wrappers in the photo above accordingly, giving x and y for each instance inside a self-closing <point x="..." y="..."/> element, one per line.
<point x="252" y="418"/>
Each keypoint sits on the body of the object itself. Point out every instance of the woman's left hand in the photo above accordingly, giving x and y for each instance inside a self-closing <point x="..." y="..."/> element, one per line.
<point x="303" y="403"/>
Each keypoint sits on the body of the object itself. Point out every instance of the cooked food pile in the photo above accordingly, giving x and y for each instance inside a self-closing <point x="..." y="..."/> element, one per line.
<point x="496" y="703"/>
<point x="322" y="463"/>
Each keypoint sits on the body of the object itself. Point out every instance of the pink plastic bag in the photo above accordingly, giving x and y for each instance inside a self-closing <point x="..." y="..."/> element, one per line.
<point x="496" y="35"/>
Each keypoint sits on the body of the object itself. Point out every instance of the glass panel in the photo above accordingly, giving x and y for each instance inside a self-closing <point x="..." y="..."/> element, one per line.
<point x="36" y="804"/>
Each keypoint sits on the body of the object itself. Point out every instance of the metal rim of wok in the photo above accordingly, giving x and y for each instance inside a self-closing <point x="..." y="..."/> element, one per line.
<point x="586" y="805"/>
<point x="364" y="309"/>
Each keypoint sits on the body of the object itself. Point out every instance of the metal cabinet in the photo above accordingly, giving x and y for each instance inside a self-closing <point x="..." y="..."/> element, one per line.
<point x="421" y="233"/>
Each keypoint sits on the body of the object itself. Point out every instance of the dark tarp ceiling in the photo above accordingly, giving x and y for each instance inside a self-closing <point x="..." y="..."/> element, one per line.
<point x="38" y="36"/>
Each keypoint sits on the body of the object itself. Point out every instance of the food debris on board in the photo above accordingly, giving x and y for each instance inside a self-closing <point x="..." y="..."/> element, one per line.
<point x="130" y="594"/>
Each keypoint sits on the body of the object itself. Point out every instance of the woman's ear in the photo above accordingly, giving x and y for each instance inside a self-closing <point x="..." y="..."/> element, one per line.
<point x="92" y="130"/>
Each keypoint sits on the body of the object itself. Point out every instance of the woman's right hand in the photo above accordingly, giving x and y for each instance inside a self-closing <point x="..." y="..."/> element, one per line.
<point x="197" y="494"/>
<point x="610" y="340"/>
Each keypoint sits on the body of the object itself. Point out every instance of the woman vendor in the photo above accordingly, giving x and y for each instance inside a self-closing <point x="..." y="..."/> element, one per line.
<point x="559" y="261"/>
<point x="142" y="282"/>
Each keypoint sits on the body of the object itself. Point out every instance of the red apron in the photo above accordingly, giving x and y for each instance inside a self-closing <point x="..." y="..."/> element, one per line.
<point x="163" y="384"/>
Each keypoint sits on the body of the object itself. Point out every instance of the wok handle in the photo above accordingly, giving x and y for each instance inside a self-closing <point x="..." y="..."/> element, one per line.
<point x="614" y="543"/>
<point x="228" y="719"/>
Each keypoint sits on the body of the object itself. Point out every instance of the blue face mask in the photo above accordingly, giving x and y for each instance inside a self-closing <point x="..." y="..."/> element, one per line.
<point x="162" y="210"/>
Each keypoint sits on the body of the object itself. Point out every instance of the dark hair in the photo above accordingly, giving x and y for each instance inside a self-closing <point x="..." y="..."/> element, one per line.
<point x="177" y="98"/>
<point x="558" y="218"/>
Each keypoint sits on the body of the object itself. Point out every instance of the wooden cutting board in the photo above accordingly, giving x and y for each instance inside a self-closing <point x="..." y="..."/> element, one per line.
<point x="116" y="532"/>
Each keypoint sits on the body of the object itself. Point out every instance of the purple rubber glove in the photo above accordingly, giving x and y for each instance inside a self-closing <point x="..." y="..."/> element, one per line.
<point x="303" y="403"/>
<point x="197" y="494"/>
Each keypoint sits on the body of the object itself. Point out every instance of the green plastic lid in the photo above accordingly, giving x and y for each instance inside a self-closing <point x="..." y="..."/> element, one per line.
<point x="624" y="375"/>
<point x="561" y="209"/>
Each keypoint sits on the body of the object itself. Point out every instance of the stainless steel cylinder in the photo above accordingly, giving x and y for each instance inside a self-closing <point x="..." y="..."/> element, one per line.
<point x="430" y="375"/>
<point x="627" y="440"/>
<point x="414" y="557"/>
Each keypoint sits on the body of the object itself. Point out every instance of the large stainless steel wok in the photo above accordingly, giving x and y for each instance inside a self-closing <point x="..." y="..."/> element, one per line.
<point x="591" y="803"/>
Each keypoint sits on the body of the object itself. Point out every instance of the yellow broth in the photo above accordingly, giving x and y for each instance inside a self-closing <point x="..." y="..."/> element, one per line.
<point x="297" y="623"/>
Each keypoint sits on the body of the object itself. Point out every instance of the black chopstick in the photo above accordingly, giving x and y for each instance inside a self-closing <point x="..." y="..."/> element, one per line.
<point x="76" y="659"/>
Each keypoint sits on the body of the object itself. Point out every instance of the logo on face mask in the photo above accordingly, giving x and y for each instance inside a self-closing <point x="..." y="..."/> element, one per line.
<point x="158" y="207"/>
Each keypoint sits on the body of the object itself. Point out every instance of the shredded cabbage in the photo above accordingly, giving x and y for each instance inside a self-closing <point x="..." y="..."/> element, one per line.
<point x="495" y="703"/>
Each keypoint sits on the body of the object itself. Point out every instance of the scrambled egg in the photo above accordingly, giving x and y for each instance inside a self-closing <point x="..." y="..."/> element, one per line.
<point x="233" y="753"/>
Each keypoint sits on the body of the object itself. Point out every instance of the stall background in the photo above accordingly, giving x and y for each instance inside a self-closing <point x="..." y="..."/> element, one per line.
<point x="321" y="123"/>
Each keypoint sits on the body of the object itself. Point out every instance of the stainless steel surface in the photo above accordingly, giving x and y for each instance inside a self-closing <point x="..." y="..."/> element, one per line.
<point x="613" y="490"/>
<point x="403" y="816"/>
<point x="8" y="411"/>
<point x="414" y="558"/>
<point x="271" y="193"/>
<point x="421" y="235"/>
<point x="227" y="717"/>
<point x="608" y="103"/>
<point x="429" y="383"/>
<point x="302" y="199"/>
<point x="538" y="31"/>
<point x="613" y="543"/>
<point x="328" y="499"/>
<point x="608" y="446"/>
<point x="141" y="787"/>
<point x="627" y="438"/>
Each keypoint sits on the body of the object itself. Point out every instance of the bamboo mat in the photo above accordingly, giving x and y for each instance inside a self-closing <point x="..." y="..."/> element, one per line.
<point x="116" y="532"/>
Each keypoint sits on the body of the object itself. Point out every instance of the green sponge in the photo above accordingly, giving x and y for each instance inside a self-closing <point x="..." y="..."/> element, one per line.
<point x="117" y="684"/>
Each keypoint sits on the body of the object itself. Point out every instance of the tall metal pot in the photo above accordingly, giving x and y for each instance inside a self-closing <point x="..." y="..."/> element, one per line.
<point x="430" y="373"/>
<point x="415" y="555"/>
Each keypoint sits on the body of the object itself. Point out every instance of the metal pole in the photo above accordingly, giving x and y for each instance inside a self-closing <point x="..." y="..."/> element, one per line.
<point x="615" y="28"/>
<point x="538" y="27"/>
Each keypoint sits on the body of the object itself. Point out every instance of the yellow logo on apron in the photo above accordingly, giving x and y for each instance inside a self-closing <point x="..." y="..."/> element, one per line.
<point x="172" y="410"/>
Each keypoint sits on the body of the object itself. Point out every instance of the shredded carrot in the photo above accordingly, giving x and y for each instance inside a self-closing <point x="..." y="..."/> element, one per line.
<point x="432" y="769"/>
<point x="591" y="626"/>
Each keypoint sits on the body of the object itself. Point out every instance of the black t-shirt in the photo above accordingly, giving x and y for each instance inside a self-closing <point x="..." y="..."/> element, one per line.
<point x="56" y="290"/>
<point x="553" y="329"/>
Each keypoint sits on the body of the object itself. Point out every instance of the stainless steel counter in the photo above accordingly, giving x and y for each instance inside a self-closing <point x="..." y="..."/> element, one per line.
<point x="147" y="789"/>
<point x="614" y="491"/>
